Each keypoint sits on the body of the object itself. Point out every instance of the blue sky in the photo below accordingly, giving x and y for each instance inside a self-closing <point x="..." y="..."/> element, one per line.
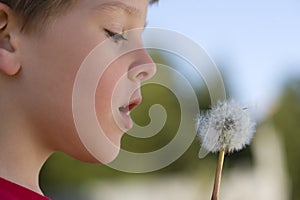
<point x="258" y="40"/>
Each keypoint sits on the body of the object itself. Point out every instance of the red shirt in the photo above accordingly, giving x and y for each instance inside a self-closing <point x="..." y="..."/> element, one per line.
<point x="12" y="191"/>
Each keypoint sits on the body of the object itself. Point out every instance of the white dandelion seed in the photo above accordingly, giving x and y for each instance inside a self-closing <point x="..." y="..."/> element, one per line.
<point x="226" y="128"/>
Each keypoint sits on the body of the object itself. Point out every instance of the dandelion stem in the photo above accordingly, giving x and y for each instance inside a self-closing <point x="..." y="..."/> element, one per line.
<point x="215" y="193"/>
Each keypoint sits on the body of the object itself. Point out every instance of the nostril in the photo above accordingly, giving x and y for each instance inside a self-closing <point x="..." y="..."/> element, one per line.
<point x="138" y="73"/>
<point x="142" y="76"/>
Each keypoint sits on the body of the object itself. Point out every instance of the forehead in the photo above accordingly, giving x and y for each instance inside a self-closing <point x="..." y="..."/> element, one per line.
<point x="120" y="7"/>
<point x="137" y="8"/>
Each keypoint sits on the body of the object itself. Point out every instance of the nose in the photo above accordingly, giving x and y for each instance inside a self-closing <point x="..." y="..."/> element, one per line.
<point x="143" y="67"/>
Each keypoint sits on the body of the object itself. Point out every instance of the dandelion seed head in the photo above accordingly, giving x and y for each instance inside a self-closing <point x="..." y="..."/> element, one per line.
<point x="226" y="126"/>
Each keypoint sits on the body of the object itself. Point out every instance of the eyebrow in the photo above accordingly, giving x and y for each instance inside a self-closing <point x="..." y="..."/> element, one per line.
<point x="116" y="5"/>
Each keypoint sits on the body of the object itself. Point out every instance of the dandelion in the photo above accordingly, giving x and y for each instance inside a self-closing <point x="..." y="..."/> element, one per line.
<point x="225" y="128"/>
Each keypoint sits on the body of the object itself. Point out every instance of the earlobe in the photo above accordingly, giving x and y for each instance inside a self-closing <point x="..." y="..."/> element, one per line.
<point x="9" y="62"/>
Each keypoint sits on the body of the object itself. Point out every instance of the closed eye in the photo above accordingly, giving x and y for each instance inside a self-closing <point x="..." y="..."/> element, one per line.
<point x="116" y="37"/>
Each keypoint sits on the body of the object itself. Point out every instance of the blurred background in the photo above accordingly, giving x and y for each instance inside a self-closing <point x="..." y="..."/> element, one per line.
<point x="256" y="46"/>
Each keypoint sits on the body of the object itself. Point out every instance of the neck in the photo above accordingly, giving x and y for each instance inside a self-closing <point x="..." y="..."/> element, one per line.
<point x="21" y="155"/>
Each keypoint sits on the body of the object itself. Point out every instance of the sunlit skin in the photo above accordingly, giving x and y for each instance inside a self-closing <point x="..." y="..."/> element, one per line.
<point x="38" y="71"/>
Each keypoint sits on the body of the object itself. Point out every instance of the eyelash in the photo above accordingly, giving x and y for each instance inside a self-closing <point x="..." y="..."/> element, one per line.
<point x="116" y="37"/>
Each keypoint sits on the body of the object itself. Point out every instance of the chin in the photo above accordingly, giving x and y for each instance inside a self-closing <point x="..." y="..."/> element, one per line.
<point x="84" y="156"/>
<point x="99" y="155"/>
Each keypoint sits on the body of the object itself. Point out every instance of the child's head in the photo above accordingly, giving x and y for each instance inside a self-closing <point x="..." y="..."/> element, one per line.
<point x="38" y="68"/>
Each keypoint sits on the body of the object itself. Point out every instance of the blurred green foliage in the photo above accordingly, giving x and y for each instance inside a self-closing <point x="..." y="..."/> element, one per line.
<point x="287" y="121"/>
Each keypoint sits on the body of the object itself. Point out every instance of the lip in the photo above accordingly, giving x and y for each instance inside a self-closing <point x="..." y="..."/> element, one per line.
<point x="125" y="112"/>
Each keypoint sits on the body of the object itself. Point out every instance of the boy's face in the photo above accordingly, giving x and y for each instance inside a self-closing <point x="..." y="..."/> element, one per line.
<point x="51" y="59"/>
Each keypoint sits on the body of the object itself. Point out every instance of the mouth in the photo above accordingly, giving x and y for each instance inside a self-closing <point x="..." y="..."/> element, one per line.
<point x="125" y="112"/>
<point x="129" y="107"/>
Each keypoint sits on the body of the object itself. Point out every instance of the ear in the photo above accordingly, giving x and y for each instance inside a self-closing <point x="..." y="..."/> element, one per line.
<point x="9" y="62"/>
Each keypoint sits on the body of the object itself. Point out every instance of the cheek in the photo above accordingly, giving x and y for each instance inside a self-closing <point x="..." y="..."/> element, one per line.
<point x="109" y="96"/>
<point x="46" y="85"/>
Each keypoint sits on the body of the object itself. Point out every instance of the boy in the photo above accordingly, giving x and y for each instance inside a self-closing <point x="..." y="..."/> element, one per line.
<point x="42" y="46"/>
